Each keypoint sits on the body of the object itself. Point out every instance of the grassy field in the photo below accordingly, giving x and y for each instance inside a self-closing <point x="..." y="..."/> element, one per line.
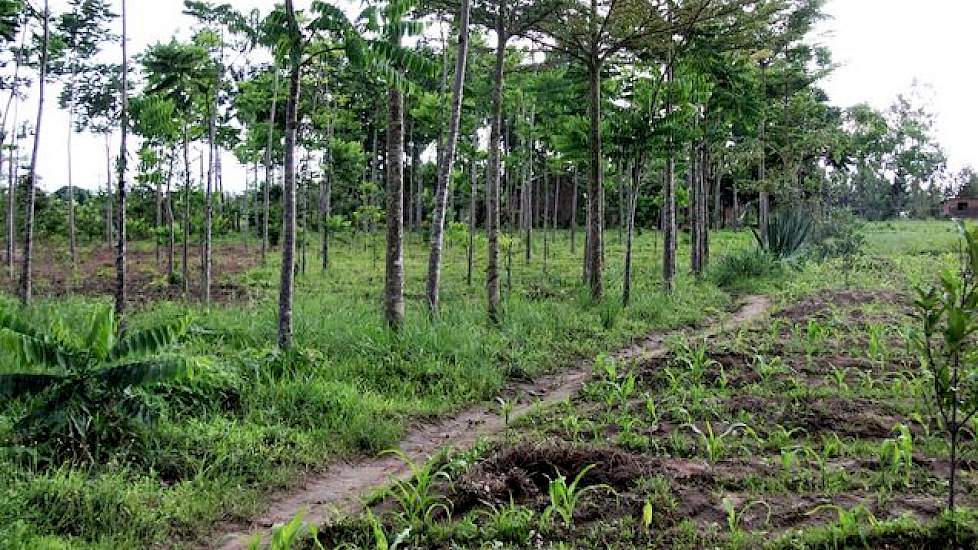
<point x="253" y="419"/>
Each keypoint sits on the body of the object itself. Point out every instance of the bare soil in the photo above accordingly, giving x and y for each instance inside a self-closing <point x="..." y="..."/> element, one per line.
<point x="146" y="282"/>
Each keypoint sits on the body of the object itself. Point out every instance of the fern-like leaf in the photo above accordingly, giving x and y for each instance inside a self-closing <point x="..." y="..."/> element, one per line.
<point x="141" y="373"/>
<point x="30" y="350"/>
<point x="149" y="341"/>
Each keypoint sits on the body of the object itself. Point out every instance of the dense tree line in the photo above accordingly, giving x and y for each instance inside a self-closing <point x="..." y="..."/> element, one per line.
<point x="513" y="117"/>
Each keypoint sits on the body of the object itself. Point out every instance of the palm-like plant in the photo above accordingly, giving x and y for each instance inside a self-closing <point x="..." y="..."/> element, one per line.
<point x="80" y="396"/>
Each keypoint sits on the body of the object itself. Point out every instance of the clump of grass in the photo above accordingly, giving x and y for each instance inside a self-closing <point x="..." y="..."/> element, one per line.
<point x="742" y="266"/>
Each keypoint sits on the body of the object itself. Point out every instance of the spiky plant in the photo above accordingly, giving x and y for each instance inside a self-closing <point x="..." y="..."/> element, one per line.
<point x="79" y="388"/>
<point x="788" y="233"/>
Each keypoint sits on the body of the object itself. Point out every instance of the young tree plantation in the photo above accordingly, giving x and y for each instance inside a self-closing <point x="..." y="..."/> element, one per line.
<point x="476" y="274"/>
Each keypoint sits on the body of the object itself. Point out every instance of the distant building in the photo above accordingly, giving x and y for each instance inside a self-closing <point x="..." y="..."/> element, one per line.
<point x="961" y="207"/>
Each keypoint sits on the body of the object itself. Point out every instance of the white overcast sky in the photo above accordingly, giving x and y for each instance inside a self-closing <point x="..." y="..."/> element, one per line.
<point x="882" y="46"/>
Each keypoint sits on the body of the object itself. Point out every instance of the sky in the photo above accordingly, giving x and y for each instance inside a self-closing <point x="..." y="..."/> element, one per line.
<point x="882" y="47"/>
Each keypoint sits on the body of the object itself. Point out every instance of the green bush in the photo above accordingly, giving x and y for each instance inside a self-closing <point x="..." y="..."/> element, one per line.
<point x="789" y="231"/>
<point x="740" y="266"/>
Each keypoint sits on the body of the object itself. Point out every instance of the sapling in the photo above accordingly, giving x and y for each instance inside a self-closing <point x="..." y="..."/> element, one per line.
<point x="948" y="319"/>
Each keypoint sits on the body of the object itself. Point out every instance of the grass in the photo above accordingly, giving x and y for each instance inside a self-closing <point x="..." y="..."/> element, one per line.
<point x="256" y="418"/>
<point x="811" y="431"/>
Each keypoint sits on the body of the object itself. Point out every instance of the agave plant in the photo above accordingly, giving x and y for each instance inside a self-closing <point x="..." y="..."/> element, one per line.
<point x="79" y="393"/>
<point x="788" y="233"/>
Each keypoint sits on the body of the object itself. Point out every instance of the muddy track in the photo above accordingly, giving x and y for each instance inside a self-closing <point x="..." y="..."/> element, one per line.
<point x="339" y="490"/>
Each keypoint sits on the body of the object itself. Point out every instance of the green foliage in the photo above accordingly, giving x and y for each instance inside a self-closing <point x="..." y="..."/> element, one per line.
<point x="81" y="399"/>
<point x="948" y="317"/>
<point x="744" y="266"/>
<point x="789" y="232"/>
<point x="565" y="498"/>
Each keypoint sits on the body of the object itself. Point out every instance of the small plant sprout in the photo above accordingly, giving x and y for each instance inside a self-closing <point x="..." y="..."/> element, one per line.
<point x="735" y="517"/>
<point x="648" y="515"/>
<point x="714" y="444"/>
<point x="896" y="455"/>
<point x="505" y="410"/>
<point x="416" y="496"/>
<point x="849" y="522"/>
<point x="948" y="317"/>
<point x="877" y="344"/>
<point x="564" y="497"/>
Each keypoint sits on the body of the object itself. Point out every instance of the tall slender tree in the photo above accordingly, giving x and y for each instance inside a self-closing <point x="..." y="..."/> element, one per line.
<point x="26" y="275"/>
<point x="448" y="159"/>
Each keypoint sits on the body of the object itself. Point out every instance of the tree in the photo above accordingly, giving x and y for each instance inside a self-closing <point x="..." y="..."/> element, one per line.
<point x="120" y="259"/>
<point x="295" y="45"/>
<point x="81" y="31"/>
<point x="180" y="72"/>
<point x="447" y="159"/>
<point x="25" y="276"/>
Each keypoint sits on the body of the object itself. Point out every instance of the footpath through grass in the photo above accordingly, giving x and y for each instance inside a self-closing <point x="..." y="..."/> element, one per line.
<point x="253" y="418"/>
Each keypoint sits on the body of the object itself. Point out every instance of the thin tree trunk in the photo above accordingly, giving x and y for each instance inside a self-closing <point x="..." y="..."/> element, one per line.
<point x="186" y="212"/>
<point x="120" y="258"/>
<point x="632" y="201"/>
<point x="269" y="175"/>
<point x="109" y="217"/>
<point x="494" y="168"/>
<point x="289" y="193"/>
<point x="669" y="228"/>
<point x="473" y="199"/>
<point x="25" y="277"/>
<point x="573" y="223"/>
<point x="71" y="186"/>
<point x="326" y="193"/>
<point x="12" y="206"/>
<point x="209" y="194"/>
<point x="447" y="160"/>
<point x="764" y="201"/>
<point x="394" y="279"/>
<point x="12" y="170"/>
<point x="595" y="246"/>
<point x="171" y="237"/>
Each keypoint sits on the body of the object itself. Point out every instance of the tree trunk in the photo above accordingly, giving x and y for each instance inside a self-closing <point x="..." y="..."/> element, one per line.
<point x="326" y="193"/>
<point x="669" y="228"/>
<point x="394" y="278"/>
<point x="494" y="168"/>
<point x="692" y="180"/>
<point x="209" y="195"/>
<point x="120" y="258"/>
<point x="109" y="218"/>
<point x="12" y="207"/>
<point x="25" y="277"/>
<point x="473" y="200"/>
<point x="185" y="267"/>
<point x="573" y="223"/>
<point x="763" y="201"/>
<point x="269" y="175"/>
<point x="171" y="237"/>
<point x="447" y="160"/>
<point x="631" y="203"/>
<point x="288" y="213"/>
<point x="595" y="246"/>
<point x="71" y="186"/>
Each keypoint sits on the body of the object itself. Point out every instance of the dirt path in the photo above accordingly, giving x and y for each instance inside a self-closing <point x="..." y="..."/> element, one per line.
<point x="339" y="490"/>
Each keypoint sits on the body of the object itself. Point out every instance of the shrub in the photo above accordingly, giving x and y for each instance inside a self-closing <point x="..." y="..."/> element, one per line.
<point x="789" y="232"/>
<point x="80" y="398"/>
<point x="738" y="267"/>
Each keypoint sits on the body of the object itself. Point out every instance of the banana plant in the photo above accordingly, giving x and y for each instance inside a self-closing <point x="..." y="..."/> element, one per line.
<point x="79" y="389"/>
